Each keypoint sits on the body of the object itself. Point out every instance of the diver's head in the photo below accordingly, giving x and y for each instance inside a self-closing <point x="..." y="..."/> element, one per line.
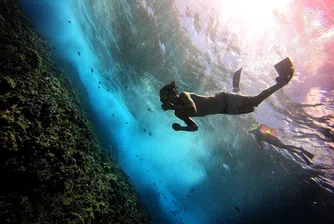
<point x="168" y="93"/>
<point x="254" y="127"/>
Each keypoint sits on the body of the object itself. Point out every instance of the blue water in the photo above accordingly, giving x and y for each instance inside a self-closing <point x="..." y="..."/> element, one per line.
<point x="125" y="51"/>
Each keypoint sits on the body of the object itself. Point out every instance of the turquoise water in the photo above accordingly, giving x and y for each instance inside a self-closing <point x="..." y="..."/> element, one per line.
<point x="125" y="51"/>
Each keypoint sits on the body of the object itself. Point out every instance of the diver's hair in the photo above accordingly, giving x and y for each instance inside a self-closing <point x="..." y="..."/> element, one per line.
<point x="169" y="87"/>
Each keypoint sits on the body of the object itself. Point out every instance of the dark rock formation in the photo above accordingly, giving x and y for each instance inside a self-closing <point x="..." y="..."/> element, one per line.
<point x="52" y="168"/>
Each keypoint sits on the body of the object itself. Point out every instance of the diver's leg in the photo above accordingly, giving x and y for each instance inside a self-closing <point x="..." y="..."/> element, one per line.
<point x="265" y="94"/>
<point x="291" y="148"/>
<point x="302" y="150"/>
<point x="277" y="142"/>
<point x="298" y="150"/>
<point x="285" y="71"/>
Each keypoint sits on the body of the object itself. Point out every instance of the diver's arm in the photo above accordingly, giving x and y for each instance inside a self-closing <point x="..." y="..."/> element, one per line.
<point x="189" y="128"/>
<point x="259" y="143"/>
<point x="257" y="136"/>
<point x="258" y="139"/>
<point x="191" y="125"/>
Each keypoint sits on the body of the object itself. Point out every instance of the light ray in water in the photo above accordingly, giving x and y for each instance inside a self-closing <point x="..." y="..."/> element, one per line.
<point x="108" y="42"/>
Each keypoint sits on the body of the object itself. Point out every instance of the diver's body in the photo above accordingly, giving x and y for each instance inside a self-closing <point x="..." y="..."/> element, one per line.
<point x="263" y="133"/>
<point x="187" y="104"/>
<point x="226" y="103"/>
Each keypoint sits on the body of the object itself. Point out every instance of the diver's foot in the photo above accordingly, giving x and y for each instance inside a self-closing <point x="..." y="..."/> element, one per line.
<point x="283" y="80"/>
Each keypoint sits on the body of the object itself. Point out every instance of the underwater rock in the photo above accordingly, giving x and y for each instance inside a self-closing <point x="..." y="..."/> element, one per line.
<point x="54" y="168"/>
<point x="6" y="85"/>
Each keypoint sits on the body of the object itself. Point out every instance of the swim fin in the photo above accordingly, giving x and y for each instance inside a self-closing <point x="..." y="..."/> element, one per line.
<point x="308" y="162"/>
<point x="236" y="80"/>
<point x="307" y="153"/>
<point x="285" y="71"/>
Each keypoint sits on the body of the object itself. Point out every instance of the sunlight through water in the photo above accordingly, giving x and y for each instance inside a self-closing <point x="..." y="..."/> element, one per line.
<point x="219" y="174"/>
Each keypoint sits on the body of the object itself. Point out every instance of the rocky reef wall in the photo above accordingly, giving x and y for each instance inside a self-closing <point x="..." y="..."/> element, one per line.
<point x="52" y="168"/>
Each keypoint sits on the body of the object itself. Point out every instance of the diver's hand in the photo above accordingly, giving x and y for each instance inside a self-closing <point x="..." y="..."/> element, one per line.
<point x="176" y="127"/>
<point x="167" y="106"/>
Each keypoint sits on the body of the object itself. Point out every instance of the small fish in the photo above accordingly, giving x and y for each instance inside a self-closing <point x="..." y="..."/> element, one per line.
<point x="237" y="208"/>
<point x="107" y="77"/>
<point x="165" y="197"/>
<point x="148" y="171"/>
<point x="150" y="133"/>
<point x="144" y="129"/>
<point x="113" y="115"/>
<point x="108" y="90"/>
<point x="126" y="87"/>
<point x="99" y="82"/>
<point x="79" y="53"/>
<point x="174" y="202"/>
<point x="91" y="70"/>
<point x="154" y="183"/>
<point x="192" y="190"/>
<point x="188" y="196"/>
<point x="139" y="158"/>
<point x="69" y="21"/>
<point x="149" y="109"/>
<point x="126" y="122"/>
<point x="99" y="87"/>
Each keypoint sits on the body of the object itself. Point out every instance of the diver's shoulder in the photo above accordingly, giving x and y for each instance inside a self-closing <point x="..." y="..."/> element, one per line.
<point x="185" y="93"/>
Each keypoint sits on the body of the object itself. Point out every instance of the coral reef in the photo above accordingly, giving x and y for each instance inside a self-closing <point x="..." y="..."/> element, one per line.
<point x="52" y="168"/>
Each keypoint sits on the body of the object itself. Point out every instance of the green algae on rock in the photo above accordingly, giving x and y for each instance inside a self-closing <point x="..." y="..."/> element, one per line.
<point x="52" y="168"/>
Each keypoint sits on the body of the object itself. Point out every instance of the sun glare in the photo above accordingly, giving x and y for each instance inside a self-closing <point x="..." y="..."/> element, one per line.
<point x="259" y="14"/>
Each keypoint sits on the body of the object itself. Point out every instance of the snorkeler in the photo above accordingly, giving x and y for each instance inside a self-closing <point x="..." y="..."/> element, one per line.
<point x="187" y="105"/>
<point x="263" y="133"/>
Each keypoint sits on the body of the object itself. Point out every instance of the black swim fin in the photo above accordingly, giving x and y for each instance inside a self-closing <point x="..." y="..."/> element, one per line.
<point x="285" y="71"/>
<point x="308" y="162"/>
<point x="236" y="80"/>
<point x="307" y="153"/>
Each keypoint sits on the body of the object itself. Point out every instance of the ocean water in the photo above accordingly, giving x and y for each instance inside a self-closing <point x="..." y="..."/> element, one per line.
<point x="124" y="51"/>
